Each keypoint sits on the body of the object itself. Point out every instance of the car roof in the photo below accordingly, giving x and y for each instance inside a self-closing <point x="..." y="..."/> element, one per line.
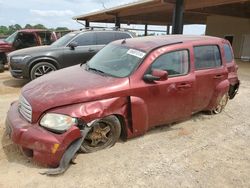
<point x="151" y="42"/>
<point x="89" y="30"/>
<point x="33" y="30"/>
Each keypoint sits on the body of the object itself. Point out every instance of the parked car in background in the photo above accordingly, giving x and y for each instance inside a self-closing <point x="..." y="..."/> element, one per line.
<point x="127" y="88"/>
<point x="23" y="39"/>
<point x="73" y="48"/>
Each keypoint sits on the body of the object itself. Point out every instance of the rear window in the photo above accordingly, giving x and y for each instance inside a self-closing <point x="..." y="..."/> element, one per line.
<point x="228" y="53"/>
<point x="105" y="37"/>
<point x="119" y="36"/>
<point x="207" y="57"/>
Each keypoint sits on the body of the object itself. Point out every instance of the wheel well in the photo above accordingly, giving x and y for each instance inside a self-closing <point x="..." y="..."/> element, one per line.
<point x="43" y="60"/>
<point x="3" y="57"/>
<point x="121" y="119"/>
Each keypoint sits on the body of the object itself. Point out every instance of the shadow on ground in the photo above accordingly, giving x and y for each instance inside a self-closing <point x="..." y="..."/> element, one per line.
<point x="15" y="83"/>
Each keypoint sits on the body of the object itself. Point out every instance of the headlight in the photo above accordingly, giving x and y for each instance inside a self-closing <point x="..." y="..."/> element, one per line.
<point x="19" y="58"/>
<point x="57" y="122"/>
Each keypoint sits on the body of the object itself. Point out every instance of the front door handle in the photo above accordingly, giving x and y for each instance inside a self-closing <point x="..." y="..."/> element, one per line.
<point x="184" y="85"/>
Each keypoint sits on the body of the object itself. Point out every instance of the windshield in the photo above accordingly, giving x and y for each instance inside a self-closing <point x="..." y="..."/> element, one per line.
<point x="116" y="60"/>
<point x="11" y="38"/>
<point x="64" y="40"/>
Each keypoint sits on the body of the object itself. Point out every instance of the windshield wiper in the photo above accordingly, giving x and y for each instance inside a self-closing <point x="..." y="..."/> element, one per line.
<point x="94" y="69"/>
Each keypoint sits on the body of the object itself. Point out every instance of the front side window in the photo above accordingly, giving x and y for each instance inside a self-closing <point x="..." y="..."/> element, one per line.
<point x="228" y="53"/>
<point x="206" y="57"/>
<point x="64" y="40"/>
<point x="85" y="39"/>
<point x="175" y="63"/>
<point x="45" y="38"/>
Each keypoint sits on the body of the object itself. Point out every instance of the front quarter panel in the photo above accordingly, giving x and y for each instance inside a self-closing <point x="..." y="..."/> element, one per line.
<point x="90" y="111"/>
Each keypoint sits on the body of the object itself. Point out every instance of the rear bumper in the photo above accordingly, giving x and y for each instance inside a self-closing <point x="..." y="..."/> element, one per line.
<point x="234" y="85"/>
<point x="43" y="146"/>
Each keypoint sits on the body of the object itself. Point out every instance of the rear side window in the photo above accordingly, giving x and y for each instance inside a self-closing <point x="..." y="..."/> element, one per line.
<point x="105" y="37"/>
<point x="86" y="39"/>
<point x="207" y="57"/>
<point x="176" y="63"/>
<point x="119" y="36"/>
<point x="228" y="53"/>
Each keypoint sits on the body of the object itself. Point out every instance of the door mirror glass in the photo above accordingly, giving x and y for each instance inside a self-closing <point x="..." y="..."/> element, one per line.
<point x="73" y="45"/>
<point x="156" y="75"/>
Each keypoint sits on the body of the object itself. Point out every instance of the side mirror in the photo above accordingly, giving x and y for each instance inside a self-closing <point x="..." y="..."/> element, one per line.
<point x="156" y="75"/>
<point x="72" y="45"/>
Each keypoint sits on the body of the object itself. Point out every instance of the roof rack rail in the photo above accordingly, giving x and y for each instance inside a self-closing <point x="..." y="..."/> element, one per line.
<point x="104" y="28"/>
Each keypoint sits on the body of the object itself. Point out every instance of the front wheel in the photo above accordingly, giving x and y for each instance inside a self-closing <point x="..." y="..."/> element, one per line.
<point x="103" y="134"/>
<point x="221" y="104"/>
<point x="41" y="69"/>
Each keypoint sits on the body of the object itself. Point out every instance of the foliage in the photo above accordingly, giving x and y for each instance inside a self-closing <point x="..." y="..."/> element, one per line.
<point x="8" y="30"/>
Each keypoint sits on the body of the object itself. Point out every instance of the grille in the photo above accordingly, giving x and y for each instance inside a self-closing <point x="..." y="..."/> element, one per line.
<point x="25" y="109"/>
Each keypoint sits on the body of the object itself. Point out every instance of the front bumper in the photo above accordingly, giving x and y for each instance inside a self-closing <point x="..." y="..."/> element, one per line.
<point x="19" y="69"/>
<point x="43" y="146"/>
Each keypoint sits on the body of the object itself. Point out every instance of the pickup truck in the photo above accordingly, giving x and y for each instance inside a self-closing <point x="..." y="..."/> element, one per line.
<point x="23" y="39"/>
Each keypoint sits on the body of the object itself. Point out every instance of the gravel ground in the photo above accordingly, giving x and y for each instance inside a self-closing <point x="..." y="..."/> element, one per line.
<point x="204" y="151"/>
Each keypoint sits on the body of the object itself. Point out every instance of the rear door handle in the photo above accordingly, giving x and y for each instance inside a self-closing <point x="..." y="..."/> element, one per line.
<point x="218" y="76"/>
<point x="184" y="85"/>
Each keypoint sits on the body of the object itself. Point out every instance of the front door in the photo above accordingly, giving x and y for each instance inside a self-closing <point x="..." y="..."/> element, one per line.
<point x="168" y="100"/>
<point x="84" y="51"/>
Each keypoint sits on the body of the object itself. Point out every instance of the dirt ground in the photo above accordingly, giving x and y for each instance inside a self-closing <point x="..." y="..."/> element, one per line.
<point x="205" y="151"/>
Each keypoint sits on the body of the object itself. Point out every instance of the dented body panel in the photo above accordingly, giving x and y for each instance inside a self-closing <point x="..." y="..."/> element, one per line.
<point x="139" y="105"/>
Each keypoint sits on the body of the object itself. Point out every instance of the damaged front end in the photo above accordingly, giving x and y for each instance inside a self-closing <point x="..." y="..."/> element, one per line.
<point x="70" y="153"/>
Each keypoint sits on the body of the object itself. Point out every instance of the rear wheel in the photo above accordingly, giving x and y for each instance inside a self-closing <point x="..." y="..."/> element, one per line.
<point x="41" y="69"/>
<point x="104" y="134"/>
<point x="221" y="104"/>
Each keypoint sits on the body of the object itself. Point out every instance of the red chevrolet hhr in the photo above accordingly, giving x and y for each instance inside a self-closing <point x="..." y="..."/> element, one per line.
<point x="127" y="88"/>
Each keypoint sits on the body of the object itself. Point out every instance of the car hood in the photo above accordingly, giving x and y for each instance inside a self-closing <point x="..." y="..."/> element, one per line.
<point x="70" y="86"/>
<point x="31" y="50"/>
<point x="3" y="42"/>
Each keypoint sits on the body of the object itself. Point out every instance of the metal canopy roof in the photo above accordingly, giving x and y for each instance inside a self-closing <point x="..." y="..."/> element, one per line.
<point x="159" y="12"/>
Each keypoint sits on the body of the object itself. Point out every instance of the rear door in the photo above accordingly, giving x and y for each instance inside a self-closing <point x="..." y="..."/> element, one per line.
<point x="85" y="50"/>
<point x="209" y="72"/>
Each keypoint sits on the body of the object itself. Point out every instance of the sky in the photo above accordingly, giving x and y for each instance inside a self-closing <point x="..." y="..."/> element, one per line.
<point x="59" y="13"/>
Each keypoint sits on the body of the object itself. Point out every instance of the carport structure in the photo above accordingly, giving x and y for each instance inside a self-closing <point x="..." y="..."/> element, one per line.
<point x="224" y="18"/>
<point x="168" y="12"/>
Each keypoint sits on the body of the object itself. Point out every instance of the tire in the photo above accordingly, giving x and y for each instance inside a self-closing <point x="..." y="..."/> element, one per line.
<point x="104" y="134"/>
<point x="41" y="69"/>
<point x="221" y="104"/>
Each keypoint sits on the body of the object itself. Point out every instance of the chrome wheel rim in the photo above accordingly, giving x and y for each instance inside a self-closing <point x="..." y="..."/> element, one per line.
<point x="44" y="69"/>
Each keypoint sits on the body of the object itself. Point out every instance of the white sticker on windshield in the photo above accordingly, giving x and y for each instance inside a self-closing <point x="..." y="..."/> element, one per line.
<point x="136" y="53"/>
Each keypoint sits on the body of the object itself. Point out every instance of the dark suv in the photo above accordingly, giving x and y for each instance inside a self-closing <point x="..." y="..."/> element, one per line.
<point x="74" y="48"/>
<point x="23" y="39"/>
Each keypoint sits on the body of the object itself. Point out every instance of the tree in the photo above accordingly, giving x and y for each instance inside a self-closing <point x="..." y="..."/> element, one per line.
<point x="61" y="28"/>
<point x="17" y="27"/>
<point x="28" y="26"/>
<point x="39" y="26"/>
<point x="3" y="30"/>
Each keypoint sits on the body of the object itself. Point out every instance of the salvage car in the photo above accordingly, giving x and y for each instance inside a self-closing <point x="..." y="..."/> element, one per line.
<point x="23" y="39"/>
<point x="73" y="48"/>
<point x="127" y="88"/>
